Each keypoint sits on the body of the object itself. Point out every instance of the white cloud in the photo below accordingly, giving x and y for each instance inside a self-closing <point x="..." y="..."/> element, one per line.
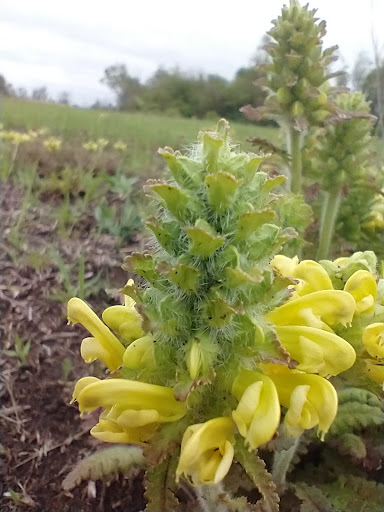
<point x="67" y="45"/>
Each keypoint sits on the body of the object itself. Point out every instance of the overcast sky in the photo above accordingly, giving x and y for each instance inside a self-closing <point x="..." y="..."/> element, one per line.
<point x="66" y="45"/>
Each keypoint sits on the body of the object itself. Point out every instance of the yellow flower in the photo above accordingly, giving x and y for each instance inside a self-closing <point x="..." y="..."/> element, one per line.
<point x="362" y="286"/>
<point x="125" y="321"/>
<point x="310" y="399"/>
<point x="194" y="359"/>
<point x="258" y="414"/>
<point x="140" y="354"/>
<point x="120" y="146"/>
<point x="90" y="146"/>
<point x="373" y="339"/>
<point x="314" y="309"/>
<point x="311" y="275"/>
<point x="375" y="370"/>
<point x="317" y="350"/>
<point x="52" y="144"/>
<point x="207" y="451"/>
<point x="132" y="409"/>
<point x="101" y="143"/>
<point x="15" y="137"/>
<point x="103" y="345"/>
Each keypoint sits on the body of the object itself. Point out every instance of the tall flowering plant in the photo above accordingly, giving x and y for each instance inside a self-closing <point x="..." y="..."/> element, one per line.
<point x="219" y="339"/>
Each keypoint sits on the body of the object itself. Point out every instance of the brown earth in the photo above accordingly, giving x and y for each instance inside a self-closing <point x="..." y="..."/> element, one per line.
<point x="42" y="435"/>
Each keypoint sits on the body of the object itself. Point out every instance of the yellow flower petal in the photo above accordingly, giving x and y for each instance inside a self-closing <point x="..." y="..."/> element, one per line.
<point x="81" y="384"/>
<point x="207" y="451"/>
<point x="80" y="312"/>
<point x="131" y="395"/>
<point x="375" y="370"/>
<point x="140" y="354"/>
<point x="126" y="322"/>
<point x="362" y="286"/>
<point x="373" y="339"/>
<point x="316" y="350"/>
<point x="313" y="403"/>
<point x="329" y="306"/>
<point x="313" y="277"/>
<point x="283" y="265"/>
<point x="257" y="415"/>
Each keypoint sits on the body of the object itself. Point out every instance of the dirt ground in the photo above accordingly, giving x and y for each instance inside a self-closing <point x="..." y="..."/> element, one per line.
<point x="42" y="435"/>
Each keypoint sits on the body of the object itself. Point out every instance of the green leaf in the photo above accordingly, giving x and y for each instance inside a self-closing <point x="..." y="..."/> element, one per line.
<point x="355" y="493"/>
<point x="202" y="242"/>
<point x="254" y="466"/>
<point x="249" y="222"/>
<point x="313" y="499"/>
<point x="218" y="312"/>
<point x="177" y="201"/>
<point x="238" y="277"/>
<point x="272" y="183"/>
<point x="161" y="486"/>
<point x="222" y="188"/>
<point x="105" y="464"/>
<point x="184" y="276"/>
<point x="142" y="264"/>
<point x="163" y="236"/>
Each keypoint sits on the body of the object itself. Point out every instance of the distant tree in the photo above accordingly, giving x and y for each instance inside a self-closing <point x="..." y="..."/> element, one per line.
<point x="360" y="70"/>
<point x="40" y="94"/>
<point x="6" y="88"/>
<point x="126" y="87"/>
<point x="64" y="98"/>
<point x="21" y="92"/>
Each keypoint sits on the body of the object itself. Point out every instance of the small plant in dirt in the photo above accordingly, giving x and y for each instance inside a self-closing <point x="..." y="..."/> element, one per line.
<point x="20" y="350"/>
<point x="223" y="342"/>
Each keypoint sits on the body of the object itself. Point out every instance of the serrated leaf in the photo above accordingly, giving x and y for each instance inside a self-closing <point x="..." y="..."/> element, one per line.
<point x="218" y="312"/>
<point x="255" y="468"/>
<point x="131" y="290"/>
<point x="162" y="235"/>
<point x="184" y="276"/>
<point x="238" y="277"/>
<point x="203" y="243"/>
<point x="177" y="201"/>
<point x="272" y="183"/>
<point x="355" y="493"/>
<point x="143" y="264"/>
<point x="221" y="191"/>
<point x="174" y="165"/>
<point x="211" y="146"/>
<point x="161" y="486"/>
<point x="104" y="464"/>
<point x="249" y="222"/>
<point x="355" y="415"/>
<point x="251" y="168"/>
<point x="352" y="444"/>
<point x="313" y="499"/>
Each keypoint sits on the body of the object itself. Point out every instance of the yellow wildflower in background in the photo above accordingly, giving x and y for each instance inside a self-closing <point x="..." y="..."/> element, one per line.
<point x="207" y="451"/>
<point x="120" y="146"/>
<point x="52" y="143"/>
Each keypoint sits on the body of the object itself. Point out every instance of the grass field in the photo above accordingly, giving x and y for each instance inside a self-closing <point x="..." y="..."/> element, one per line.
<point x="147" y="130"/>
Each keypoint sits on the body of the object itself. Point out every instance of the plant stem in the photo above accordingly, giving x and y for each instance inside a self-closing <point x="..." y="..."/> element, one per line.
<point x="294" y="149"/>
<point x="208" y="497"/>
<point x="281" y="461"/>
<point x="329" y="212"/>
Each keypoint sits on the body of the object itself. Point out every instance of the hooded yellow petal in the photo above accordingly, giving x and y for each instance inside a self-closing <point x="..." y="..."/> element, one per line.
<point x="317" y="405"/>
<point x="313" y="277"/>
<point x="375" y="370"/>
<point x="362" y="286"/>
<point x="316" y="350"/>
<point x="329" y="306"/>
<point x="373" y="339"/>
<point x="207" y="451"/>
<point x="283" y="265"/>
<point x="80" y="312"/>
<point x="257" y="415"/>
<point x="140" y="354"/>
<point x="128" y="394"/>
<point x="126" y="322"/>
<point x="91" y="349"/>
<point x="81" y="384"/>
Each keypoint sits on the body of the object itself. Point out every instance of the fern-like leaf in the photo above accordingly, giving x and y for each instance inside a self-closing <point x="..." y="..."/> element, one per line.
<point x="104" y="464"/>
<point x="161" y="486"/>
<point x="254" y="466"/>
<point x="356" y="415"/>
<point x="355" y="494"/>
<point x="362" y="396"/>
<point x="313" y="499"/>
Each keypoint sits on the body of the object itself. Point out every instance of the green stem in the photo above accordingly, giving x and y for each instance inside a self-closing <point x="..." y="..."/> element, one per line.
<point x="281" y="462"/>
<point x="329" y="212"/>
<point x="294" y="150"/>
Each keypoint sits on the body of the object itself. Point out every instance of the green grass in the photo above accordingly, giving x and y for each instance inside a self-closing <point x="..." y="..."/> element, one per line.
<point x="145" y="130"/>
